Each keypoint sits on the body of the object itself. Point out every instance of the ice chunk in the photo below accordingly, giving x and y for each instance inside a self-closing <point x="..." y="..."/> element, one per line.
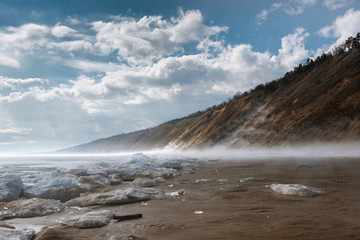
<point x="125" y="196"/>
<point x="89" y="220"/>
<point x="53" y="185"/>
<point x="13" y="234"/>
<point x="10" y="187"/>
<point x="297" y="189"/>
<point x="204" y="180"/>
<point x="178" y="193"/>
<point x="31" y="208"/>
<point x="198" y="212"/>
<point x="249" y="179"/>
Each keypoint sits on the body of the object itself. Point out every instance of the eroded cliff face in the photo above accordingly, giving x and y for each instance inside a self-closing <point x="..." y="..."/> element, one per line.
<point x="321" y="103"/>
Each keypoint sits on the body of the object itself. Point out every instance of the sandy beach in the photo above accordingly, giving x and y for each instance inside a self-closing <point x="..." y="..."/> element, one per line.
<point x="237" y="204"/>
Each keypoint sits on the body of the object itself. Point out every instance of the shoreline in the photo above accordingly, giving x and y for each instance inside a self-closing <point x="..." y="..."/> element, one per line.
<point x="230" y="209"/>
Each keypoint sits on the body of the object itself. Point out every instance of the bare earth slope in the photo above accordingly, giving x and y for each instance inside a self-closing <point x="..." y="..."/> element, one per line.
<point x="319" y="102"/>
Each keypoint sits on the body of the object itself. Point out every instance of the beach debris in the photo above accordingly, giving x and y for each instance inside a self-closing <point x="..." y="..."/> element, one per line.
<point x="249" y="179"/>
<point x="297" y="189"/>
<point x="127" y="217"/>
<point x="222" y="181"/>
<point x="204" y="180"/>
<point x="92" y="219"/>
<point x="178" y="193"/>
<point x="13" y="234"/>
<point x="198" y="212"/>
<point x="125" y="196"/>
<point x="10" y="187"/>
<point x="144" y="203"/>
<point x="31" y="208"/>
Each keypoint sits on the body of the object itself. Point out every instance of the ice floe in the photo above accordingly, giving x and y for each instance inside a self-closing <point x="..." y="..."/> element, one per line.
<point x="297" y="189"/>
<point x="30" y="208"/>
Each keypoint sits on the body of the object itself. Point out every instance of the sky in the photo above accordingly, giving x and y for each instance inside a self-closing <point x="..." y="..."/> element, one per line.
<point x="75" y="71"/>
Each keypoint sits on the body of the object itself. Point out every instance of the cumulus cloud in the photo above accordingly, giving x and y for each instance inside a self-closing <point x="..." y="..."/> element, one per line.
<point x="293" y="48"/>
<point x="343" y="27"/>
<point x="25" y="37"/>
<point x="151" y="37"/>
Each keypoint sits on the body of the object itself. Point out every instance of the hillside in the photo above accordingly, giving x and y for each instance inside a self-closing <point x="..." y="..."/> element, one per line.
<point x="319" y="101"/>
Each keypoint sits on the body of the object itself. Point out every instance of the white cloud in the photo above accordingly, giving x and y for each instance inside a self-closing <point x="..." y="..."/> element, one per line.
<point x="343" y="27"/>
<point x="73" y="21"/>
<point x="70" y="46"/>
<point x="336" y="4"/>
<point x="238" y="67"/>
<point x="293" y="49"/>
<point x="151" y="37"/>
<point x="92" y="66"/>
<point x="25" y="37"/>
<point x="296" y="7"/>
<point x="8" y="61"/>
<point x="292" y="7"/>
<point x="62" y="31"/>
<point x="15" y="131"/>
<point x="20" y="84"/>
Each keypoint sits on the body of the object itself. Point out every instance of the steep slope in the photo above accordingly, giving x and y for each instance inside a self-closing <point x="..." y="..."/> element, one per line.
<point x="316" y="102"/>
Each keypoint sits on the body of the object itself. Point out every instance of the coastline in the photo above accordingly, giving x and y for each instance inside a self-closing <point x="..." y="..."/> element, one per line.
<point x="231" y="209"/>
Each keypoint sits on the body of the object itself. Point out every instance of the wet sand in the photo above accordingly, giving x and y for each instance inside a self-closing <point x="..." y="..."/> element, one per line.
<point x="248" y="210"/>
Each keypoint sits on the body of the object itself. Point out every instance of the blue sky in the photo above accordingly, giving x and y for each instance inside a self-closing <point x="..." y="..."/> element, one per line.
<point x="75" y="71"/>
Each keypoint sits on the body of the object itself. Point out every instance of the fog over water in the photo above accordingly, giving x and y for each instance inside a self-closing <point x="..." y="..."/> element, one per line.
<point x="69" y="161"/>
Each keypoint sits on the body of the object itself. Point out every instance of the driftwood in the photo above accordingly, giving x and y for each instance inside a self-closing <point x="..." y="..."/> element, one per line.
<point x="127" y="217"/>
